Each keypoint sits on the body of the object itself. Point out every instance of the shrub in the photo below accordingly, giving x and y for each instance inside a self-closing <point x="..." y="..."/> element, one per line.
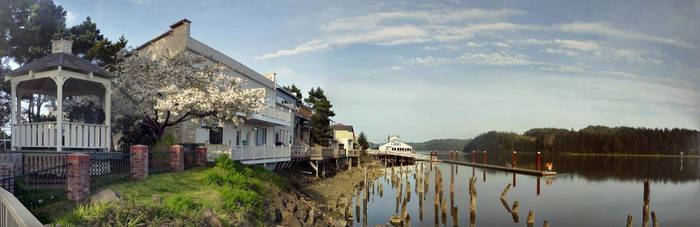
<point x="241" y="200"/>
<point x="180" y="203"/>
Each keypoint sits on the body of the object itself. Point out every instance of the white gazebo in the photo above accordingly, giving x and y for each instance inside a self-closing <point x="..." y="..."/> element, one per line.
<point x="61" y="75"/>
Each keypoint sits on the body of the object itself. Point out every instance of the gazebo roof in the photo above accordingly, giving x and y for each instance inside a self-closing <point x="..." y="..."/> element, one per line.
<point x="66" y="61"/>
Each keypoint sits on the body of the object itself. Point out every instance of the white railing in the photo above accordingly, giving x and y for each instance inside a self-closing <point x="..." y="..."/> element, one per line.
<point x="75" y="135"/>
<point x="244" y="153"/>
<point x="408" y="154"/>
<point x="278" y="113"/>
<point x="13" y="213"/>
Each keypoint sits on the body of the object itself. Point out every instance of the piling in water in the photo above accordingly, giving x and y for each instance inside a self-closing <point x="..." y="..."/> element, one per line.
<point x="514" y="212"/>
<point x="645" y="207"/>
<point x="530" y="217"/>
<point x="629" y="220"/>
<point x="546" y="224"/>
<point x="653" y="219"/>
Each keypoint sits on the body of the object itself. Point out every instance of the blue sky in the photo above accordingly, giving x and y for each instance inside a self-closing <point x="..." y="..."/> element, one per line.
<point x="451" y="69"/>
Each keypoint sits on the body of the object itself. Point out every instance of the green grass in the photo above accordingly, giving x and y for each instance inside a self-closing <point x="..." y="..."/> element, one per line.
<point x="237" y="193"/>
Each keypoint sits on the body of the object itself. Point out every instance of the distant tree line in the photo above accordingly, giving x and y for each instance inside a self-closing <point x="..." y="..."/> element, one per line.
<point x="440" y="145"/>
<point x="591" y="140"/>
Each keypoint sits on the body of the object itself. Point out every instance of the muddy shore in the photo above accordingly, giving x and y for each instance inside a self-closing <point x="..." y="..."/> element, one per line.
<point x="311" y="201"/>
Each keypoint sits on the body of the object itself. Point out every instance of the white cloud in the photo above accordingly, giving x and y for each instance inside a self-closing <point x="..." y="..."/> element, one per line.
<point x="473" y="44"/>
<point x="501" y="44"/>
<point x="607" y="31"/>
<point x="446" y="26"/>
<point x="559" y="51"/>
<point x="619" y="74"/>
<point x="71" y="18"/>
<point x="529" y="41"/>
<point x="384" y="70"/>
<point x="577" y="45"/>
<point x="375" y="20"/>
<point x="140" y="1"/>
<point x="430" y="48"/>
<point x="492" y="59"/>
<point x="564" y="68"/>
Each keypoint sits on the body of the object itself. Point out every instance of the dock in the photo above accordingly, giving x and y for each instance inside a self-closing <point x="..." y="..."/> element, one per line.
<point x="533" y="172"/>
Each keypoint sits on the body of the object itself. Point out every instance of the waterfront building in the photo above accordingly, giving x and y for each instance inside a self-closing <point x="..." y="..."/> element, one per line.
<point x="394" y="144"/>
<point x="265" y="137"/>
<point x="344" y="136"/>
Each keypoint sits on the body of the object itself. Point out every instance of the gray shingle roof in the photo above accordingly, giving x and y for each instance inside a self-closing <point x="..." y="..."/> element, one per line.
<point x="66" y="61"/>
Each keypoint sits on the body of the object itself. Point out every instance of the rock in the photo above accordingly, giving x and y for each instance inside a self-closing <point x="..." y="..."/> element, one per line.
<point x="291" y="207"/>
<point x="342" y="202"/>
<point x="310" y="218"/>
<point x="285" y="199"/>
<point x="395" y="220"/>
<point x="301" y="214"/>
<point x="278" y="215"/>
<point x="324" y="208"/>
<point x="338" y="214"/>
<point x="348" y="213"/>
<point x="104" y="196"/>
<point x="157" y="199"/>
<point x="211" y="218"/>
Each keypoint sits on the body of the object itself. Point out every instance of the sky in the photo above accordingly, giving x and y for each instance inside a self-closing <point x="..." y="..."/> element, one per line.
<point x="451" y="69"/>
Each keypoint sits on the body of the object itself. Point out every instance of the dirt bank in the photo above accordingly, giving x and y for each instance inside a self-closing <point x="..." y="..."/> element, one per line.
<point x="330" y="198"/>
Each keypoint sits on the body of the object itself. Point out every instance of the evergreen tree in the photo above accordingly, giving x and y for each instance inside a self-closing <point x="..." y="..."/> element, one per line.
<point x="362" y="140"/>
<point x="294" y="89"/>
<point x="320" y="118"/>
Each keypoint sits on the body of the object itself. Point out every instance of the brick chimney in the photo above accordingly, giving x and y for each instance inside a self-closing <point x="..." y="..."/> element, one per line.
<point x="61" y="45"/>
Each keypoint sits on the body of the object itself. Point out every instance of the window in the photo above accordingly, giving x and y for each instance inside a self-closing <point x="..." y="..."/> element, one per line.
<point x="260" y="136"/>
<point x="215" y="135"/>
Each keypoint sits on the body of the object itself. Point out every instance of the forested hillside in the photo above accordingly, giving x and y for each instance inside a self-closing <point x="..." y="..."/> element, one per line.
<point x="440" y="145"/>
<point x="591" y="140"/>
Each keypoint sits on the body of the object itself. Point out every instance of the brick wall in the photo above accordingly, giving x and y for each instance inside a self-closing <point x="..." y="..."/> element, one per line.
<point x="201" y="156"/>
<point x="78" y="176"/>
<point x="139" y="162"/>
<point x="177" y="158"/>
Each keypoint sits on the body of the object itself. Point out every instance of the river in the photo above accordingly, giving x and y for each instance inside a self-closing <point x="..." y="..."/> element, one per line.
<point x="588" y="191"/>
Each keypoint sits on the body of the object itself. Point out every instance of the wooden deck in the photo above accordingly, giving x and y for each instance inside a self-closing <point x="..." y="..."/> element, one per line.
<point x="533" y="172"/>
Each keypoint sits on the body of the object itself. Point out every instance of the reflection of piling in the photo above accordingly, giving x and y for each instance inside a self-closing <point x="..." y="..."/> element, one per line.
<point x="444" y="212"/>
<point x="538" y="186"/>
<point x="455" y="216"/>
<point x="381" y="190"/>
<point x="505" y="191"/>
<point x="514" y="181"/>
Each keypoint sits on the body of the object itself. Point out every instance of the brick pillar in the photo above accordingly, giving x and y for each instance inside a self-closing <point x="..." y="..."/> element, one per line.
<point x="201" y="156"/>
<point x="139" y="162"/>
<point x="177" y="158"/>
<point x="7" y="169"/>
<point x="78" y="176"/>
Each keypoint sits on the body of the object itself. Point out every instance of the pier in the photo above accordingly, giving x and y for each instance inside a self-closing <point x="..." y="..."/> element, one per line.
<point x="533" y="172"/>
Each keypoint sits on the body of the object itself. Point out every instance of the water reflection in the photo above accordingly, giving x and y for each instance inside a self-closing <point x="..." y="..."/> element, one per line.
<point x="410" y="186"/>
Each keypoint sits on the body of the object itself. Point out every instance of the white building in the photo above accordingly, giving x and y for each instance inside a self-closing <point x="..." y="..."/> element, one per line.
<point x="394" y="144"/>
<point x="265" y="137"/>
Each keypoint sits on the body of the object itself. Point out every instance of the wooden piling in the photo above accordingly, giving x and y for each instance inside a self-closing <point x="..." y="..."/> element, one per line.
<point x="645" y="206"/>
<point x="515" y="159"/>
<point x="514" y="211"/>
<point x="654" y="222"/>
<point x="545" y="224"/>
<point x="629" y="220"/>
<point x="505" y="191"/>
<point x="539" y="161"/>
<point x="530" y="217"/>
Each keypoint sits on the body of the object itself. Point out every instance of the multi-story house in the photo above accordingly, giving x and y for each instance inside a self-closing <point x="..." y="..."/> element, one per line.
<point x="265" y="137"/>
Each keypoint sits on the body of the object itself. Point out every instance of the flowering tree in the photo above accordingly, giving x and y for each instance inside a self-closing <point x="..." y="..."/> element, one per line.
<point x="186" y="87"/>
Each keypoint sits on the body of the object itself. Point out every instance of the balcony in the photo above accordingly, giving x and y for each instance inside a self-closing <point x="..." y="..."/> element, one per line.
<point x="250" y="154"/>
<point x="75" y="135"/>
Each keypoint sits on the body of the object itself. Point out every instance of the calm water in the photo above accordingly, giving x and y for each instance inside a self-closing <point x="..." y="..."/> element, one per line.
<point x="588" y="191"/>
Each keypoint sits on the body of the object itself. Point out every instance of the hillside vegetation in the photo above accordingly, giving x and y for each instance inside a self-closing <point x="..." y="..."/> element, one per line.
<point x="440" y="145"/>
<point x="591" y="140"/>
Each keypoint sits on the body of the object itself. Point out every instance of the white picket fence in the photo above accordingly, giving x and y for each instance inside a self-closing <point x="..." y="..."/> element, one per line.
<point x="248" y="153"/>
